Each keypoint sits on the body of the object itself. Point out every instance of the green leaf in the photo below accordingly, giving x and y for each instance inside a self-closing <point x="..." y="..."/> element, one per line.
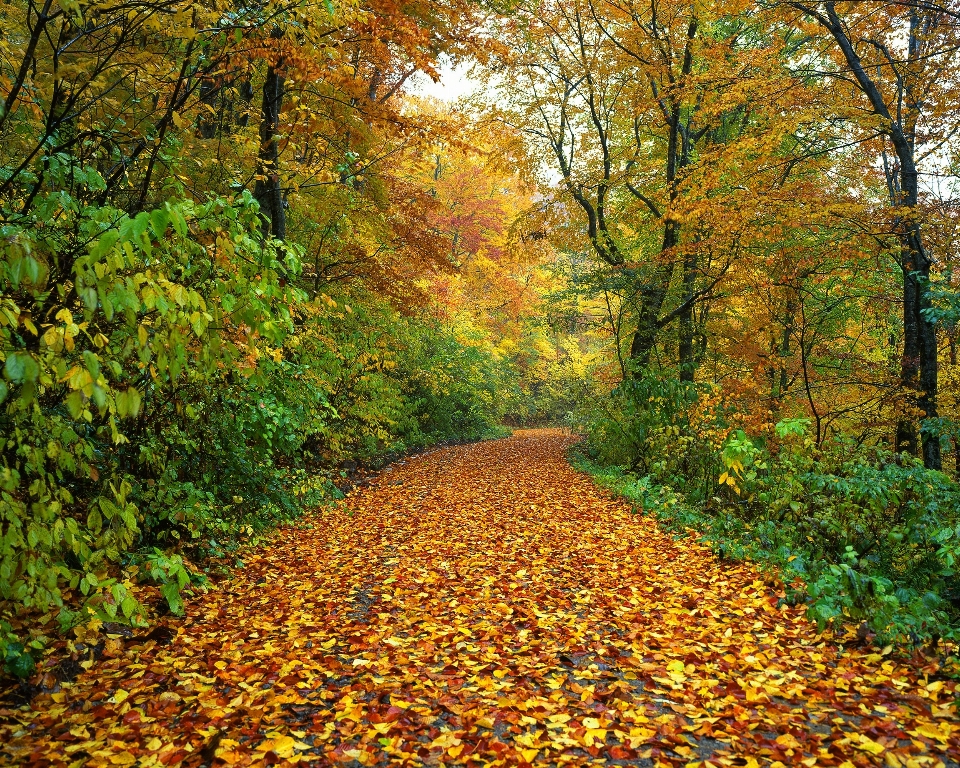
<point x="128" y="403"/>
<point x="74" y="403"/>
<point x="129" y="606"/>
<point x="20" y="665"/>
<point x="21" y="367"/>
<point x="89" y="296"/>
<point x="32" y="267"/>
<point x="92" y="363"/>
<point x="128" y="517"/>
<point x="106" y="242"/>
<point x="99" y="395"/>
<point x="94" y="520"/>
<point x="179" y="223"/>
<point x="158" y="222"/>
<point x="140" y="223"/>
<point x="171" y="592"/>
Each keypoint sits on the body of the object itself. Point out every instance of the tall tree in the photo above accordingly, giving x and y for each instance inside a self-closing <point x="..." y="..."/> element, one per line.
<point x="895" y="57"/>
<point x="635" y="103"/>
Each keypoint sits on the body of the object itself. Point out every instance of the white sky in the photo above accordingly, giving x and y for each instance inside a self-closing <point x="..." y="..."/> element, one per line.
<point x="453" y="84"/>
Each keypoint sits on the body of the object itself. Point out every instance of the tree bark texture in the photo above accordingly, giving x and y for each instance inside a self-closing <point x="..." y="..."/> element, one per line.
<point x="268" y="190"/>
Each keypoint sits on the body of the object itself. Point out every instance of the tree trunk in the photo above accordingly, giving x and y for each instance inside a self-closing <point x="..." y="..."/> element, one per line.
<point x="267" y="190"/>
<point x="788" y="322"/>
<point x="652" y="297"/>
<point x="899" y="114"/>
<point x="645" y="335"/>
<point x="919" y="365"/>
<point x="685" y="352"/>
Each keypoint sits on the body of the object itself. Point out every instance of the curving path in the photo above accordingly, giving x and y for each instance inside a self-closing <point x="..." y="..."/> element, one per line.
<point x="487" y="605"/>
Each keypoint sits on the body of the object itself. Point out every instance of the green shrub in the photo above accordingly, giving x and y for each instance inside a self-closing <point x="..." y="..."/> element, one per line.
<point x="872" y="537"/>
<point x="167" y="571"/>
<point x="110" y="327"/>
<point x="457" y="387"/>
<point x="652" y="426"/>
<point x="18" y="658"/>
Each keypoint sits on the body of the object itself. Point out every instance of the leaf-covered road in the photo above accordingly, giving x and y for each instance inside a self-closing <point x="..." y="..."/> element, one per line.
<point x="488" y="605"/>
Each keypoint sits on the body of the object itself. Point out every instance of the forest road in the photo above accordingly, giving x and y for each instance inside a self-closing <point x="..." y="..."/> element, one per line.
<point x="488" y="605"/>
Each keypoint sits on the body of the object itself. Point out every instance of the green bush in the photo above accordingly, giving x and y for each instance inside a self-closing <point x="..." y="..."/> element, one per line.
<point x="105" y="351"/>
<point x="16" y="657"/>
<point x="647" y="425"/>
<point x="167" y="571"/>
<point x="871" y="536"/>
<point x="456" y="387"/>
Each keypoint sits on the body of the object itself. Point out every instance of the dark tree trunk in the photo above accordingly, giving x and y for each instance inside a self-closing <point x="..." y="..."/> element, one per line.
<point x="652" y="297"/>
<point x="686" y="351"/>
<point x="645" y="335"/>
<point x="678" y="158"/>
<point x="919" y="365"/>
<point x="918" y="369"/>
<point x="268" y="190"/>
<point x="211" y="92"/>
<point x="788" y="322"/>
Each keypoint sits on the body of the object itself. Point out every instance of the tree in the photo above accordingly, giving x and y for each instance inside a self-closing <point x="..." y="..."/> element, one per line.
<point x="641" y="107"/>
<point x="894" y="56"/>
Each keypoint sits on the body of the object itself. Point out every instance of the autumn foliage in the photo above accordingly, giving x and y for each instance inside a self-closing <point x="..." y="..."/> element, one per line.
<point x="244" y="264"/>
<point x="486" y="605"/>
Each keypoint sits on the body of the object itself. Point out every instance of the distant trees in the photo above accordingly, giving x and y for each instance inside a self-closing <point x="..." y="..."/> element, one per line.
<point x="692" y="138"/>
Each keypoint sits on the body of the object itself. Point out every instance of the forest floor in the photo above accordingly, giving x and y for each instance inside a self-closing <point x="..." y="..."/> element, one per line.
<point x="487" y="605"/>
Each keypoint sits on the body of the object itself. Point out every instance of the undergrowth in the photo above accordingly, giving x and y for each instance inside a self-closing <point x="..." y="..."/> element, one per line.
<point x="861" y="536"/>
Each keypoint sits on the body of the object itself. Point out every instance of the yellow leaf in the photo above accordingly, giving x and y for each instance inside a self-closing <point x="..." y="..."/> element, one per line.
<point x="869" y="745"/>
<point x="788" y="740"/>
<point x="282" y="745"/>
<point x="529" y="755"/>
<point x="445" y="740"/>
<point x="598" y="735"/>
<point x="120" y="696"/>
<point x="930" y="731"/>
